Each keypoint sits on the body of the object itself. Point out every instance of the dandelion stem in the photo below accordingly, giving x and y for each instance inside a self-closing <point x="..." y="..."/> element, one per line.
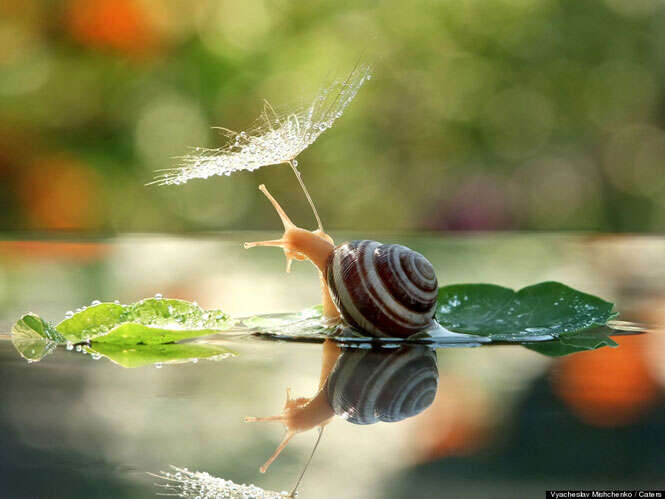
<point x="294" y="490"/>
<point x="309" y="198"/>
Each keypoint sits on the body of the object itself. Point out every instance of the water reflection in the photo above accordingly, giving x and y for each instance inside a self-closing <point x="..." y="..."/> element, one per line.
<point x="362" y="386"/>
<point x="587" y="421"/>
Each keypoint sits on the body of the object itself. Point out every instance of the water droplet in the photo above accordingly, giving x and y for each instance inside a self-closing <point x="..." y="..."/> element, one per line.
<point x="78" y="348"/>
<point x="117" y="302"/>
<point x="295" y="162"/>
<point x="159" y="296"/>
<point x="96" y="302"/>
<point x="70" y="346"/>
<point x="194" y="361"/>
<point x="69" y="314"/>
<point x="158" y="365"/>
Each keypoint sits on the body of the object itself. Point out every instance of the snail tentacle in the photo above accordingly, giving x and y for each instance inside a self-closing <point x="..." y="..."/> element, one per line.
<point x="302" y="244"/>
<point x="299" y="414"/>
<point x="302" y="413"/>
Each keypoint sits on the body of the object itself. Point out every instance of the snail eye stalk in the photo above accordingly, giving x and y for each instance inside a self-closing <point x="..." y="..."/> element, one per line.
<point x="302" y="244"/>
<point x="284" y="243"/>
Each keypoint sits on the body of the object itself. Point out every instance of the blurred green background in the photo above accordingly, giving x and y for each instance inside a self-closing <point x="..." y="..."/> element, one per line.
<point x="483" y="114"/>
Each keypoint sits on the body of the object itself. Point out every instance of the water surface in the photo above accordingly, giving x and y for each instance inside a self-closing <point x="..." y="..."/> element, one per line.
<point x="504" y="419"/>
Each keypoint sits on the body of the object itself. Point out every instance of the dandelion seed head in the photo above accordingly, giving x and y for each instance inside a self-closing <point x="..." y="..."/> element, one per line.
<point x="197" y="484"/>
<point x="275" y="138"/>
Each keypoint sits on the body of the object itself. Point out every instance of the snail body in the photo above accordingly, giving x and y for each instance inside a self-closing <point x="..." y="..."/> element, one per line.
<point x="381" y="289"/>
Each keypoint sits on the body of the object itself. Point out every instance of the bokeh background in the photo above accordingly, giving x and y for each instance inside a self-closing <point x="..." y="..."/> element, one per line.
<point x="483" y="114"/>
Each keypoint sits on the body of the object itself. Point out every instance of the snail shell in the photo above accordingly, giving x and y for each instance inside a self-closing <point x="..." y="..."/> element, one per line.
<point x="383" y="289"/>
<point x="368" y="386"/>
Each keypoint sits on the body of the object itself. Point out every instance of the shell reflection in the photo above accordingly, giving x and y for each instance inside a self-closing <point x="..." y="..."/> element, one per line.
<point x="362" y="386"/>
<point x="368" y="386"/>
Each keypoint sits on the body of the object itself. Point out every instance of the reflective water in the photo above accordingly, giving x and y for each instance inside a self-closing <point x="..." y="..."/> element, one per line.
<point x="502" y="419"/>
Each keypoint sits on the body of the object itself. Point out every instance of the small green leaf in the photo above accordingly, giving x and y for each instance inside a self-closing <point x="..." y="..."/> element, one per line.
<point x="170" y="313"/>
<point x="131" y="333"/>
<point x="548" y="309"/>
<point x="93" y="321"/>
<point x="153" y="320"/>
<point x="142" y="355"/>
<point x="34" y="338"/>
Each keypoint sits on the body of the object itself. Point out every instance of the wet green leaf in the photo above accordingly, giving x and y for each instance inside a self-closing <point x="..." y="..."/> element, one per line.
<point x="93" y="321"/>
<point x="565" y="345"/>
<point x="34" y="338"/>
<point x="142" y="355"/>
<point x="132" y="333"/>
<point x="153" y="320"/>
<point x="542" y="311"/>
<point x="149" y="322"/>
<point x="306" y="323"/>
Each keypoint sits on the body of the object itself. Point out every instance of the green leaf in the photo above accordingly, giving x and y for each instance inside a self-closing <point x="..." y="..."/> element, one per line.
<point x="542" y="311"/>
<point x="131" y="333"/>
<point x="141" y="355"/>
<point x="566" y="345"/>
<point x="92" y="321"/>
<point x="305" y="324"/>
<point x="169" y="312"/>
<point x="34" y="338"/>
<point x="153" y="320"/>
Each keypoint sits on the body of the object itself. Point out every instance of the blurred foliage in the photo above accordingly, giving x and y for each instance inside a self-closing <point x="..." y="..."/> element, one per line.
<point x="484" y="114"/>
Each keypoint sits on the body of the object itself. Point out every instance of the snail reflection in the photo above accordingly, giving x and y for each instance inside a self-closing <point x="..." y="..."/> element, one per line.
<point x="362" y="386"/>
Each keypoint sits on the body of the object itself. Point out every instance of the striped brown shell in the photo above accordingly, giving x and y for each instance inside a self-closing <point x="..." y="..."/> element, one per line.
<point x="368" y="386"/>
<point x="382" y="289"/>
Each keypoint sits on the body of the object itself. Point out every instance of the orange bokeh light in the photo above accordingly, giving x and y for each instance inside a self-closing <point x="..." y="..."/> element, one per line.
<point x="455" y="424"/>
<point x="608" y="387"/>
<point x="122" y="25"/>
<point x="61" y="193"/>
<point x="62" y="250"/>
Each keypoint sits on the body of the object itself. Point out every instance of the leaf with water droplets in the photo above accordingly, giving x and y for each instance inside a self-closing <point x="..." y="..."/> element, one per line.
<point x="306" y="324"/>
<point x="150" y="321"/>
<point x="547" y="310"/>
<point x="131" y="356"/>
<point x="34" y="338"/>
<point x="93" y="321"/>
<point x="131" y="333"/>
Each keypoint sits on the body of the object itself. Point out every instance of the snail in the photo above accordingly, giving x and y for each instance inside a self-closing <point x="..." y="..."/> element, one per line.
<point x="380" y="289"/>
<point x="363" y="387"/>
